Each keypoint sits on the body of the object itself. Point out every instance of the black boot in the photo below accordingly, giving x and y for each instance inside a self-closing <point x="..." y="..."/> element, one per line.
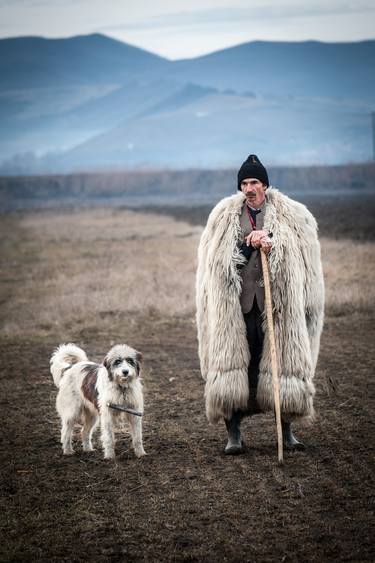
<point x="290" y="442"/>
<point x="235" y="442"/>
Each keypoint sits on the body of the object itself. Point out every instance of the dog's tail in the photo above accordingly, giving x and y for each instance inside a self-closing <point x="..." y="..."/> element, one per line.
<point x="63" y="358"/>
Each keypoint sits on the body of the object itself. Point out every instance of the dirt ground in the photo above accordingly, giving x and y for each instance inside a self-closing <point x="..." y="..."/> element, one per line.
<point x="185" y="501"/>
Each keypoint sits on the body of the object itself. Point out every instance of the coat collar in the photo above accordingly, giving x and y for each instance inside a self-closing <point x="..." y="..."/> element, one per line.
<point x="236" y="201"/>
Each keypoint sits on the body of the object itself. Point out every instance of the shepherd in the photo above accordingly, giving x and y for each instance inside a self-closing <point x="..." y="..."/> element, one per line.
<point x="234" y="350"/>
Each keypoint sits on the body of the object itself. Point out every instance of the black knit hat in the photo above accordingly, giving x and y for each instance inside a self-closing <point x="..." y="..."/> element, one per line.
<point x="252" y="168"/>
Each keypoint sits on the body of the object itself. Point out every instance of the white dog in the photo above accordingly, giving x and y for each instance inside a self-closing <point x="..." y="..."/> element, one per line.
<point x="86" y="389"/>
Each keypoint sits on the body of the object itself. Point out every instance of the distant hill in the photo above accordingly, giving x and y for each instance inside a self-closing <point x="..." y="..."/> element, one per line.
<point x="307" y="68"/>
<point x="35" y="62"/>
<point x="90" y="101"/>
<point x="216" y="129"/>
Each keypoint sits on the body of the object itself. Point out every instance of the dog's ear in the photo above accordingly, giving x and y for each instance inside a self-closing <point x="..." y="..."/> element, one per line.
<point x="107" y="365"/>
<point x="139" y="356"/>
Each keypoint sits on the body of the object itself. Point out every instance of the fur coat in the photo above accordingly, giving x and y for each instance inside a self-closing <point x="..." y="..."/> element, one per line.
<point x="298" y="300"/>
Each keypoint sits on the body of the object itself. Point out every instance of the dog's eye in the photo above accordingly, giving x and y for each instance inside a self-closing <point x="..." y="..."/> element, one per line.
<point x="117" y="362"/>
<point x="130" y="361"/>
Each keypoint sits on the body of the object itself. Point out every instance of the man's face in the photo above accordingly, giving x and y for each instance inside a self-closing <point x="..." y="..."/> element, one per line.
<point x="254" y="191"/>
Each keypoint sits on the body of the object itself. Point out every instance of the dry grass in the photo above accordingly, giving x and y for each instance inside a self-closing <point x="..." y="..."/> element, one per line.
<point x="349" y="272"/>
<point x="62" y="269"/>
<point x="89" y="265"/>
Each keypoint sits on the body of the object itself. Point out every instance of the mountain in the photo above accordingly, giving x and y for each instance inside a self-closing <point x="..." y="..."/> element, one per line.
<point x="178" y="100"/>
<point x="213" y="129"/>
<point x="89" y="102"/>
<point x="35" y="62"/>
<point x="308" y="68"/>
<point x="50" y="90"/>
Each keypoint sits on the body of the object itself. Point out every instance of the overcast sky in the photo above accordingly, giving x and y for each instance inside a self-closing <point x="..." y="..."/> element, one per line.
<point x="177" y="29"/>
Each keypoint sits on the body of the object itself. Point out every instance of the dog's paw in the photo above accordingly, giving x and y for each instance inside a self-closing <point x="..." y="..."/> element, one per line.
<point x="88" y="449"/>
<point x="68" y="452"/>
<point x="140" y="453"/>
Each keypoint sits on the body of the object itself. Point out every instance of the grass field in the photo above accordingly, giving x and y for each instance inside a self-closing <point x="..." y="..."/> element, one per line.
<point x="102" y="276"/>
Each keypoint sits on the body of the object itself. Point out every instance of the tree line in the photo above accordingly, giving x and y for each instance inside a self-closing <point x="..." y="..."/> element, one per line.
<point x="215" y="183"/>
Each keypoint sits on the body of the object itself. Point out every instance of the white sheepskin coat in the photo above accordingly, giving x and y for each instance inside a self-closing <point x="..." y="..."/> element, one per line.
<point x="298" y="301"/>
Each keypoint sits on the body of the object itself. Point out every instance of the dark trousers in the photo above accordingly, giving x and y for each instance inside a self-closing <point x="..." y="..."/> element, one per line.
<point x="255" y="338"/>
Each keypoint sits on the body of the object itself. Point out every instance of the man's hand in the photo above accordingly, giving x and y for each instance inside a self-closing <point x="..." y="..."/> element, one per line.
<point x="259" y="239"/>
<point x="266" y="244"/>
<point x="255" y="237"/>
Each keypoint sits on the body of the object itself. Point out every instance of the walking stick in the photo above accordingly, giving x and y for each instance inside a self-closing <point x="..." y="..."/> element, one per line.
<point x="271" y="333"/>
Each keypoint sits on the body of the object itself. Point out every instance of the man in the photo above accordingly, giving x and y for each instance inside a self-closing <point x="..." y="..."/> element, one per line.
<point x="233" y="345"/>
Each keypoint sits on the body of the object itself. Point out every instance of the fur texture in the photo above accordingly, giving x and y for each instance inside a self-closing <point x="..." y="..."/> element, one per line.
<point x="298" y="302"/>
<point x="86" y="387"/>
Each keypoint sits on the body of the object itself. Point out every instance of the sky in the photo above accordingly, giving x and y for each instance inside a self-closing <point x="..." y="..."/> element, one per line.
<point x="176" y="29"/>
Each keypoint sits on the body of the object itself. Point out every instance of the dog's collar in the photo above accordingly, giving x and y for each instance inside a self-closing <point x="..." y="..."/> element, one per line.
<point x="124" y="409"/>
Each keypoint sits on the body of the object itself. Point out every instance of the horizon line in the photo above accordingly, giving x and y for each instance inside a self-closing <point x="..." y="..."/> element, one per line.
<point x="204" y="54"/>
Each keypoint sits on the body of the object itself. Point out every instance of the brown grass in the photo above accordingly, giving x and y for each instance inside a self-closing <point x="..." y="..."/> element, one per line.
<point x="84" y="266"/>
<point x="349" y="272"/>
<point x="90" y="266"/>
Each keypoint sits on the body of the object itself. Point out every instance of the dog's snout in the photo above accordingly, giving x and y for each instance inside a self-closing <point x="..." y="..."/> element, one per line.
<point x="125" y="372"/>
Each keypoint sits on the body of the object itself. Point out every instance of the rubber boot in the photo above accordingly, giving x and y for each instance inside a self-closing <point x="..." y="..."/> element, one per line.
<point x="235" y="442"/>
<point x="290" y="442"/>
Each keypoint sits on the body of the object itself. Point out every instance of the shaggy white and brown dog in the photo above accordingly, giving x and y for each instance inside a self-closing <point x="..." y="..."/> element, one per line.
<point x="86" y="389"/>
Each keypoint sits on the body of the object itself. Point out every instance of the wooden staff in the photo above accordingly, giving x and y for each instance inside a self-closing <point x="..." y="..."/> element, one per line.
<point x="271" y="333"/>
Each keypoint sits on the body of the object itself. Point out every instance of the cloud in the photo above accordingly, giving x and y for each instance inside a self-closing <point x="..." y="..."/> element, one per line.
<point x="34" y="3"/>
<point x="232" y="14"/>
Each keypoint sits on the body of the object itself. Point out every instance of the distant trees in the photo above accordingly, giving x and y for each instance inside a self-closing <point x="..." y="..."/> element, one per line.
<point x="183" y="184"/>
